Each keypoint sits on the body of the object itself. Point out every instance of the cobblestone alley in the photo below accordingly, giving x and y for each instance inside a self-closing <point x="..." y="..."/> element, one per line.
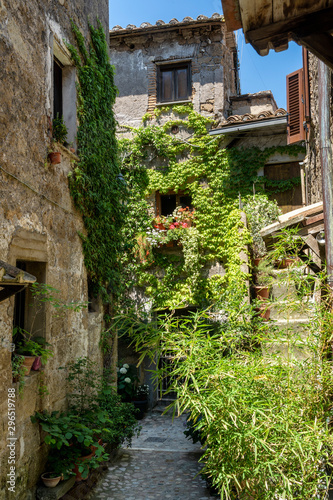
<point x="162" y="464"/>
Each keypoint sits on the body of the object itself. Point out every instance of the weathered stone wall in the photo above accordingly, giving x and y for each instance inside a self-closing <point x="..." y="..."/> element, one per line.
<point x="313" y="165"/>
<point x="135" y="55"/>
<point x="38" y="221"/>
<point x="253" y="103"/>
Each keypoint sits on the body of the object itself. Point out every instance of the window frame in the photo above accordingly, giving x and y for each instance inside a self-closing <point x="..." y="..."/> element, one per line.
<point x="173" y="66"/>
<point x="158" y="201"/>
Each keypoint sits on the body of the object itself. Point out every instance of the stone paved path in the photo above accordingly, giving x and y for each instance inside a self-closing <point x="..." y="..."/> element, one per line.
<point x="161" y="465"/>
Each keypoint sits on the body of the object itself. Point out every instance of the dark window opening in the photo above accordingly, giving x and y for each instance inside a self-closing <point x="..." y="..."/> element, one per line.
<point x="57" y="89"/>
<point x="166" y="203"/>
<point x="174" y="82"/>
<point x="185" y="201"/>
<point x="27" y="314"/>
<point x="93" y="302"/>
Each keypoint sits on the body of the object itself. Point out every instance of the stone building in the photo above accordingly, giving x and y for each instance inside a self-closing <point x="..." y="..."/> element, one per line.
<point x="39" y="224"/>
<point x="257" y="121"/>
<point x="194" y="60"/>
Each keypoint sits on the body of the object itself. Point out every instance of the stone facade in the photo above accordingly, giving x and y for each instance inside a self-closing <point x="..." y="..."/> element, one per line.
<point x="137" y="52"/>
<point x="313" y="163"/>
<point x="39" y="224"/>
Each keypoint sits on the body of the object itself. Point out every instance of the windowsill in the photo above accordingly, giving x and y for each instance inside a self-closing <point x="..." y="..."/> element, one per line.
<point x="66" y="151"/>
<point x="173" y="103"/>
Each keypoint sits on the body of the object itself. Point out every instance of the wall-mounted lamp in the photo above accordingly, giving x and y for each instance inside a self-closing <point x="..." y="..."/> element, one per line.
<point x="321" y="238"/>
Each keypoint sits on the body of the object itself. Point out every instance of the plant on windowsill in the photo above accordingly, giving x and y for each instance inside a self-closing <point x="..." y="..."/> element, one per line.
<point x="29" y="344"/>
<point x="59" y="135"/>
<point x="32" y="348"/>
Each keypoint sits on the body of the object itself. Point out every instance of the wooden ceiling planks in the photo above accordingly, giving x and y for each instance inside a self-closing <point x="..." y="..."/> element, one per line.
<point x="271" y="24"/>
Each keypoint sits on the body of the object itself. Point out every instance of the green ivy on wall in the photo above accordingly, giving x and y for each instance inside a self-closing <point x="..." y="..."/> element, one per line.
<point x="214" y="177"/>
<point x="95" y="184"/>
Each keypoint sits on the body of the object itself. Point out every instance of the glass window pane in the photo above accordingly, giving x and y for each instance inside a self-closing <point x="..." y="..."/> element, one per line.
<point x="181" y="81"/>
<point x="166" y="86"/>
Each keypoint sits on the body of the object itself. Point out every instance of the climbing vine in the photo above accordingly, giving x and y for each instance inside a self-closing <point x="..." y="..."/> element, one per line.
<point x="153" y="159"/>
<point x="95" y="182"/>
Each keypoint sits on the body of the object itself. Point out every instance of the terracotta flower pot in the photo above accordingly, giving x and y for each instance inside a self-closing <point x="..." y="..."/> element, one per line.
<point x="78" y="475"/>
<point x="287" y="262"/>
<point x="50" y="482"/>
<point x="261" y="291"/>
<point x="264" y="312"/>
<point x="37" y="364"/>
<point x="27" y="363"/>
<point x="94" y="448"/>
<point x="55" y="157"/>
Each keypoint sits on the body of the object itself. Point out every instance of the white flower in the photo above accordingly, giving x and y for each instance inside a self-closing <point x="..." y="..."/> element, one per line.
<point x="125" y="365"/>
<point x="127" y="380"/>
<point x="123" y="370"/>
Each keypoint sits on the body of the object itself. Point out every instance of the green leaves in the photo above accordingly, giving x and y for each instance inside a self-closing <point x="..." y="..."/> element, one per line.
<point x="94" y="182"/>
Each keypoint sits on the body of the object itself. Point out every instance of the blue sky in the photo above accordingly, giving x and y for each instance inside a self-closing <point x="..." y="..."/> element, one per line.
<point x="257" y="73"/>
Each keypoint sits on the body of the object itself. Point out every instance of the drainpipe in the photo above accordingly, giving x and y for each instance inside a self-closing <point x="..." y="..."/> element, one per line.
<point x="324" y="88"/>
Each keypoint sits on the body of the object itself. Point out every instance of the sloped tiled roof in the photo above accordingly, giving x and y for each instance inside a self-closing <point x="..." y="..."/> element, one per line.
<point x="248" y="117"/>
<point x="145" y="26"/>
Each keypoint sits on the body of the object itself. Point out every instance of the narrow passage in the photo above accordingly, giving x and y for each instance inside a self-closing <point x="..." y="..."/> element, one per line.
<point x="161" y="465"/>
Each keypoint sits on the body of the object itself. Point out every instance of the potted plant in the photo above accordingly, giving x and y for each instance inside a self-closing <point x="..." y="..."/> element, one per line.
<point x="260" y="212"/>
<point x="32" y="349"/>
<point x="287" y="246"/>
<point x="184" y="216"/>
<point x="51" y="479"/>
<point x="59" y="134"/>
<point x="263" y="277"/>
<point x="71" y="441"/>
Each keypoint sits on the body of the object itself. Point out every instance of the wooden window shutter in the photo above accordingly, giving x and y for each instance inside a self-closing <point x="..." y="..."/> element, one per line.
<point x="295" y="107"/>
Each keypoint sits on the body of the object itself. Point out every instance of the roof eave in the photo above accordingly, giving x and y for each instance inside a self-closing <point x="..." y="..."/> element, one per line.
<point x="249" y="126"/>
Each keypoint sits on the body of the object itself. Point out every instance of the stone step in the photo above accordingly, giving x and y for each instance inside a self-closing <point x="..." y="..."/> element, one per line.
<point x="44" y="493"/>
<point x="291" y="310"/>
<point x="297" y="332"/>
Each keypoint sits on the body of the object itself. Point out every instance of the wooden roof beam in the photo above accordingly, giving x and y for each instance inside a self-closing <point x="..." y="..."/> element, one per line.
<point x="321" y="45"/>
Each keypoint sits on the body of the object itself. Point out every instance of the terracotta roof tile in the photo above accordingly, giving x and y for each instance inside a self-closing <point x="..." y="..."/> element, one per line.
<point x="186" y="20"/>
<point x="263" y="115"/>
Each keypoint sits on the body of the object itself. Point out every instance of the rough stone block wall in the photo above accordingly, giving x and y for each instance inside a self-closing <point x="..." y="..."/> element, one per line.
<point x="313" y="167"/>
<point x="38" y="221"/>
<point x="136" y="54"/>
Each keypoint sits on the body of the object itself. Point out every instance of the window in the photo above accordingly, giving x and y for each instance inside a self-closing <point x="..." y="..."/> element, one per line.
<point x="166" y="203"/>
<point x="27" y="315"/>
<point x="57" y="89"/>
<point x="292" y="198"/>
<point x="64" y="89"/>
<point x="174" y="82"/>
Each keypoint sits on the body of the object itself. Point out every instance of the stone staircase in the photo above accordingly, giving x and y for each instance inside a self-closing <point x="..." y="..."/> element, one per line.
<point x="290" y="315"/>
